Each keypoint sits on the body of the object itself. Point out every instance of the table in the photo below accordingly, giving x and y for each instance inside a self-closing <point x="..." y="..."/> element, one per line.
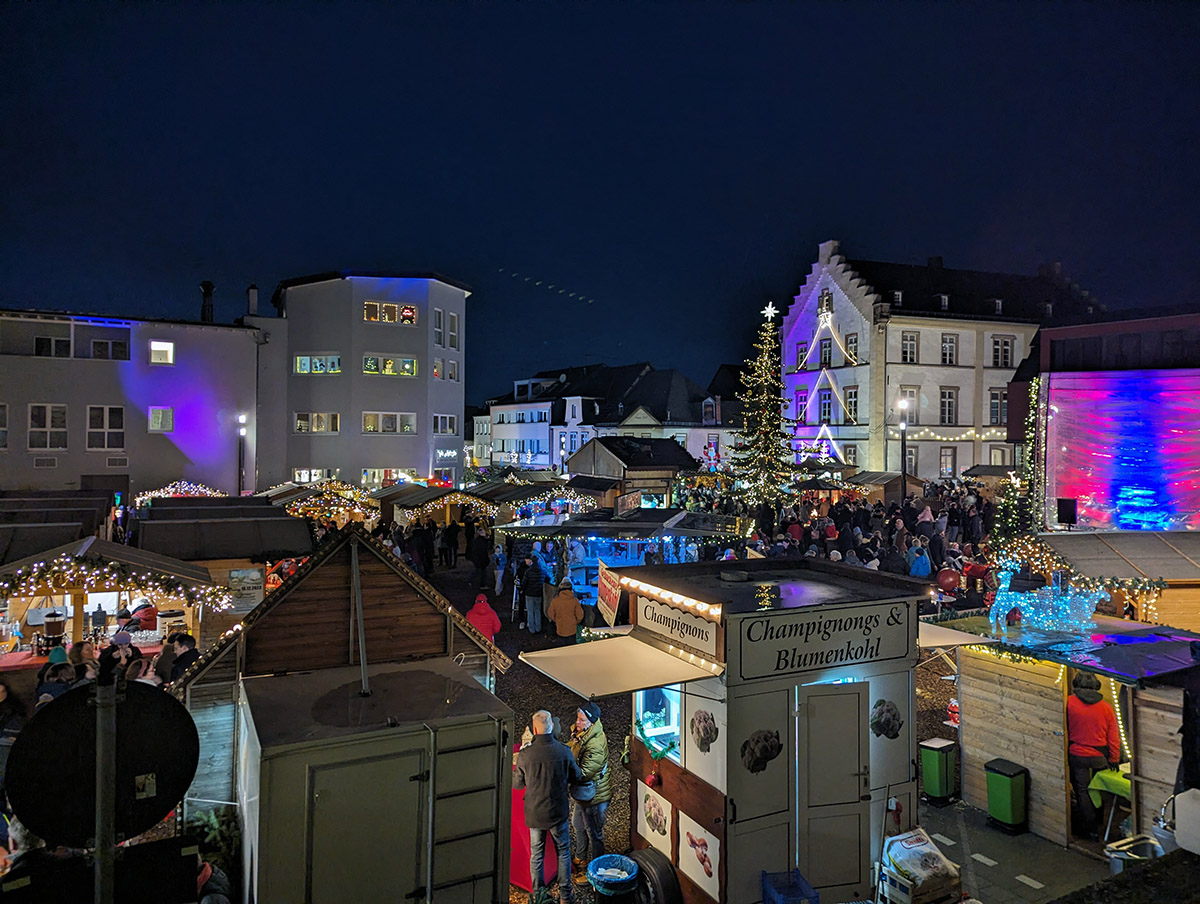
<point x="1114" y="781"/>
<point x="518" y="865"/>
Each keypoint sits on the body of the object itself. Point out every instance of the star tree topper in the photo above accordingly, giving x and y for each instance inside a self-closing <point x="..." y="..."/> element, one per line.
<point x="770" y="311"/>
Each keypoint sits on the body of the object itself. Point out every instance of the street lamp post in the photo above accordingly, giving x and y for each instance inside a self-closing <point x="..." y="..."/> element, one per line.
<point x="903" y="450"/>
<point x="241" y="467"/>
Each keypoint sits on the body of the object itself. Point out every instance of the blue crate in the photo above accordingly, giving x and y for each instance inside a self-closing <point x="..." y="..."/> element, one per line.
<point x="787" y="888"/>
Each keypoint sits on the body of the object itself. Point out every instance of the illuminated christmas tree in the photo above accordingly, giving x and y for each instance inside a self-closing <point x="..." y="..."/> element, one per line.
<point x="764" y="462"/>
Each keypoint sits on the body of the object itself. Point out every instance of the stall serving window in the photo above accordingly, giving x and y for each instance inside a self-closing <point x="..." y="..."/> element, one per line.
<point x="660" y="712"/>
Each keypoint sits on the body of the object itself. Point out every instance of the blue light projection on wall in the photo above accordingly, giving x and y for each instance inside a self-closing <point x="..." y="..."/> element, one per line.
<point x="1127" y="447"/>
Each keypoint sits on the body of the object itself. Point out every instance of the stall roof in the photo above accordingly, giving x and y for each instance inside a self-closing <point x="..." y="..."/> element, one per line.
<point x="129" y="556"/>
<point x="1165" y="555"/>
<point x="932" y="636"/>
<point x="792" y="583"/>
<point x="989" y="471"/>
<point x="877" y="478"/>
<point x="618" y="665"/>
<point x="586" y="484"/>
<point x="19" y="541"/>
<point x="258" y="539"/>
<point x="1128" y="652"/>
<point x="639" y="524"/>
<point x="326" y="703"/>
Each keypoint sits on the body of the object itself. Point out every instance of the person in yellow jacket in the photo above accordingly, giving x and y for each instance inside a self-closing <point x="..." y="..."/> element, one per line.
<point x="590" y="747"/>
<point x="565" y="611"/>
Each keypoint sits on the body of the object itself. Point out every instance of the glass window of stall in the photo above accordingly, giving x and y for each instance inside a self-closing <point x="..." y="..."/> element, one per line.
<point x="660" y="712"/>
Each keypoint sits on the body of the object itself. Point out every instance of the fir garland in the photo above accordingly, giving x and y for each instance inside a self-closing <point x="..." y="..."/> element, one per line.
<point x="652" y="746"/>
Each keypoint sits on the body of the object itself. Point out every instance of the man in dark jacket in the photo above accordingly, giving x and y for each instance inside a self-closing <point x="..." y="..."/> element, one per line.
<point x="544" y="769"/>
<point x="185" y="654"/>
<point x="479" y="551"/>
<point x="531" y="586"/>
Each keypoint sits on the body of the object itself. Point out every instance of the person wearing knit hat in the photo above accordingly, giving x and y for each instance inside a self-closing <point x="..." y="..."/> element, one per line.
<point x="1094" y="743"/>
<point x="484" y="618"/>
<point x="118" y="654"/>
<point x="590" y="746"/>
<point x="57" y="656"/>
<point x="565" y="611"/>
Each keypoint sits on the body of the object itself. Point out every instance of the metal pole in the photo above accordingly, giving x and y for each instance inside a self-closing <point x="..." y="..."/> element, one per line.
<point x="106" y="788"/>
<point x="903" y="462"/>
<point x="356" y="582"/>
<point x="241" y="463"/>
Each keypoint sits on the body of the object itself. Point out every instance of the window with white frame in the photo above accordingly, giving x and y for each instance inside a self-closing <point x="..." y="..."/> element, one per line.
<point x="583" y="438"/>
<point x="106" y="427"/>
<point x="947" y="461"/>
<point x="161" y="419"/>
<point x="998" y="406"/>
<point x="659" y="712"/>
<point x="162" y="351"/>
<point x="950" y="348"/>
<point x="850" y="453"/>
<point x="948" y="406"/>
<point x="911" y="414"/>
<point x="3" y="426"/>
<point x="389" y="366"/>
<point x="445" y="425"/>
<point x="309" y="475"/>
<point x="1000" y="455"/>
<point x="110" y="349"/>
<point x="439" y="369"/>
<point x="850" y="396"/>
<point x="826" y="352"/>
<point x="852" y="348"/>
<point x="389" y="422"/>
<point x="378" y="477"/>
<point x="825" y="405"/>
<point x="1002" y="351"/>
<point x="51" y="347"/>
<point x="318" y="364"/>
<point x="801" y="354"/>
<point x="574" y="446"/>
<point x="47" y="426"/>
<point x="385" y="312"/>
<point x="439" y="327"/>
<point x="452" y="370"/>
<point x="316" y="422"/>
<point x="802" y="406"/>
<point x="453" y="330"/>
<point x="909" y="343"/>
<point x="911" y="459"/>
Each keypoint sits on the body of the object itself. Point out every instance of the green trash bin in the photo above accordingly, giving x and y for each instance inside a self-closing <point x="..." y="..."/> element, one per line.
<point x="938" y="759"/>
<point x="1008" y="793"/>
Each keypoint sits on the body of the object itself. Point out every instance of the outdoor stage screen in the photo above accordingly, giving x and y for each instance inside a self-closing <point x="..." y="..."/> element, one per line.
<point x="1126" y="445"/>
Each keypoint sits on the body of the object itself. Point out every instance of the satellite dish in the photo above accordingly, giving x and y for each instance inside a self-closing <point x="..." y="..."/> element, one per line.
<point x="51" y="772"/>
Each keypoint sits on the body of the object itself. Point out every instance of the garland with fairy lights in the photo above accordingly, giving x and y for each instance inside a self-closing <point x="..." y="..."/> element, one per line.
<point x="454" y="498"/>
<point x="348" y="490"/>
<point x="93" y="574"/>
<point x="326" y="505"/>
<point x="178" y="488"/>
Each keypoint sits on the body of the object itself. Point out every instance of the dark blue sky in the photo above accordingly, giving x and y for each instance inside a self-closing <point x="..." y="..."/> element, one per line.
<point x="678" y="163"/>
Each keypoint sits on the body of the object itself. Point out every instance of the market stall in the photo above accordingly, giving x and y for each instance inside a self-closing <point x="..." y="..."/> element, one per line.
<point x="774" y="710"/>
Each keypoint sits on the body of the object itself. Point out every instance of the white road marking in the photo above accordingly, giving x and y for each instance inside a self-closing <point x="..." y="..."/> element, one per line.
<point x="986" y="861"/>
<point x="1032" y="883"/>
<point x="942" y="839"/>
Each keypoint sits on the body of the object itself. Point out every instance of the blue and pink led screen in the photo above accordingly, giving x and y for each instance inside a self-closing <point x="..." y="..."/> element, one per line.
<point x="1126" y="445"/>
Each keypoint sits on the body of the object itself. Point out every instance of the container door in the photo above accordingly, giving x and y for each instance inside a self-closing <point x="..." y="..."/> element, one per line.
<point x="833" y="784"/>
<point x="365" y="830"/>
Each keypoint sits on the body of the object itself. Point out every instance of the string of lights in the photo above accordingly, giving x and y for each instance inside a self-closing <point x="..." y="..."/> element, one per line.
<point x="328" y="505"/>
<point x="178" y="488"/>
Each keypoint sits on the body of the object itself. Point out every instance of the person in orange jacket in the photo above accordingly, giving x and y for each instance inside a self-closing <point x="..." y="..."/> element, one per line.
<point x="1094" y="743"/>
<point x="565" y="611"/>
<point x="484" y="618"/>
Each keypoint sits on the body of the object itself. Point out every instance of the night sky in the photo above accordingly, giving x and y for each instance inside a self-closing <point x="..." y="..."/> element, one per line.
<point x="673" y="165"/>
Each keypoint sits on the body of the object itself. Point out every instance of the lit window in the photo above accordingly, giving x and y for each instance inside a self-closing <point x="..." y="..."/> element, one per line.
<point x="950" y="348"/>
<point x="161" y="420"/>
<point x="408" y="315"/>
<point x="912" y="412"/>
<point x="317" y="422"/>
<point x="452" y="371"/>
<point x="162" y="352"/>
<point x="908" y="348"/>
<point x="318" y="364"/>
<point x="389" y="422"/>
<point x="389" y="366"/>
<point x="660" y="712"/>
<point x="389" y="313"/>
<point x="453" y="330"/>
<point x="439" y="332"/>
<point x="947" y="461"/>
<point x="445" y="424"/>
<point x="371" y="311"/>
<point x="51" y="347"/>
<point x="48" y="427"/>
<point x="106" y="427"/>
<point x="439" y="369"/>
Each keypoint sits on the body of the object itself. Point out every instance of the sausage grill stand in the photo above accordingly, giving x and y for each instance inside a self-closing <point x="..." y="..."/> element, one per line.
<point x="774" y="706"/>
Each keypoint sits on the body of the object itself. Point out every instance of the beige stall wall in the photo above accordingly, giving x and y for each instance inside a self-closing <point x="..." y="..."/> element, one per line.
<point x="1015" y="711"/>
<point x="1157" y="747"/>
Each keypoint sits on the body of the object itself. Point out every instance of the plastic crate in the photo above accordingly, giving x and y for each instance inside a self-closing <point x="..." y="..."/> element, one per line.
<point x="788" y="888"/>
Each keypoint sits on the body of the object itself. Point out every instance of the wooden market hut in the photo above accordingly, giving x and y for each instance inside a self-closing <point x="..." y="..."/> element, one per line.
<point x="403" y="502"/>
<point x="1169" y="556"/>
<point x="885" y="486"/>
<point x="1012" y="703"/>
<point x="312" y="622"/>
<point x="639" y="463"/>
<point x="32" y="521"/>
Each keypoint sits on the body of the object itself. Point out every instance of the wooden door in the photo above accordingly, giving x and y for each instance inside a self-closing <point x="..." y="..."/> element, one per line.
<point x="833" y="785"/>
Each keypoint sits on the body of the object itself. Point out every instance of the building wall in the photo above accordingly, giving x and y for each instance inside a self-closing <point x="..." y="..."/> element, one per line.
<point x="327" y="318"/>
<point x="210" y="382"/>
<point x="521" y="434"/>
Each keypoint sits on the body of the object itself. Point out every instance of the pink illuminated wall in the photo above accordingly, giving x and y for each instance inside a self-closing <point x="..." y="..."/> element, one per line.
<point x="1126" y="445"/>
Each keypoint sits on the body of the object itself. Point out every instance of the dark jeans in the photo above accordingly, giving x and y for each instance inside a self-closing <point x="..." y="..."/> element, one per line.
<point x="1082" y="768"/>
<point x="589" y="829"/>
<point x="561" y="834"/>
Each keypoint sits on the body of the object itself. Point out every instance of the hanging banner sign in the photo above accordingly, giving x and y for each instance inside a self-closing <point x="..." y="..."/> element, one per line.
<point x="608" y="594"/>
<point x="824" y="637"/>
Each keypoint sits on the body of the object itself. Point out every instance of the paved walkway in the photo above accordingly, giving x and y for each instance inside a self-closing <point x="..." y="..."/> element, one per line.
<point x="1007" y="869"/>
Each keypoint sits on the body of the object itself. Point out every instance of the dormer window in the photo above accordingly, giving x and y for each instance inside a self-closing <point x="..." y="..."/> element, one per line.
<point x="944" y="301"/>
<point x="897" y="298"/>
<point x="709" y="411"/>
<point x="1049" y="305"/>
<point x="999" y="303"/>
<point x="825" y="302"/>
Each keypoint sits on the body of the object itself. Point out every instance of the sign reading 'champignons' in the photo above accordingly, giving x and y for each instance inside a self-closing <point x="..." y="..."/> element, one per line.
<point x="820" y="638"/>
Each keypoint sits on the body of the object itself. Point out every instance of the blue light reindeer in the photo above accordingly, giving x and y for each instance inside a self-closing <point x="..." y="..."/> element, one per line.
<point x="1047" y="608"/>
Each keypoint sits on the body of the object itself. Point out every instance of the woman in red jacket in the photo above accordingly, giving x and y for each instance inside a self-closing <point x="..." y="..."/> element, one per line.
<point x="484" y="617"/>
<point x="1094" y="743"/>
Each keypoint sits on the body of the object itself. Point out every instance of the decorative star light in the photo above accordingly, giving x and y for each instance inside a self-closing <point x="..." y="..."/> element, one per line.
<point x="770" y="311"/>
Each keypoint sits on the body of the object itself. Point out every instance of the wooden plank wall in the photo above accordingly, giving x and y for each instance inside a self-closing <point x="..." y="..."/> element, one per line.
<point x="400" y="623"/>
<point x="1017" y="712"/>
<point x="213" y="705"/>
<point x="1157" y="747"/>
<point x="1179" y="606"/>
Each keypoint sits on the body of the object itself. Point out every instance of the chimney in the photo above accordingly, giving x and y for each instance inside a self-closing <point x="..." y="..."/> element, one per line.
<point x="935" y="263"/>
<point x="716" y="409"/>
<point x="252" y="300"/>
<point x="206" y="305"/>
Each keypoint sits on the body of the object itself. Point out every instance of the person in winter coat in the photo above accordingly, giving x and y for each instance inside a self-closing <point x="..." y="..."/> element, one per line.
<point x="565" y="611"/>
<point x="590" y="746"/>
<point x="478" y="552"/>
<point x="484" y="618"/>
<point x="920" y="567"/>
<point x="1093" y="742"/>
<point x="499" y="564"/>
<point x="545" y="769"/>
<point x="531" y="586"/>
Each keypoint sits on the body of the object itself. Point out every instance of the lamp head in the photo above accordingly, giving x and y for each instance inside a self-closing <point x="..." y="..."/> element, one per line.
<point x="903" y="404"/>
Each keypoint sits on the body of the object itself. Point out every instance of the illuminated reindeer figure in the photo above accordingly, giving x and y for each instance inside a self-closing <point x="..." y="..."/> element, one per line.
<point x="1048" y="608"/>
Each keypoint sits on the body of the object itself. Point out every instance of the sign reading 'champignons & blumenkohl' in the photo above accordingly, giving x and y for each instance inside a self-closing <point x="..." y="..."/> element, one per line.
<point x="824" y="637"/>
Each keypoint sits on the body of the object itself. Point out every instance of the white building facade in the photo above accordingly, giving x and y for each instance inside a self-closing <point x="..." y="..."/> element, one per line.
<point x="861" y="336"/>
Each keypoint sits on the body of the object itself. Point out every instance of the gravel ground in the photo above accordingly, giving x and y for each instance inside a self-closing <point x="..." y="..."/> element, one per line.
<point x="527" y="691"/>
<point x="933" y="696"/>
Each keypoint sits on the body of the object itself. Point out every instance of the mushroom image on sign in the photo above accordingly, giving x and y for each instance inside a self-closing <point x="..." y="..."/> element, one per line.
<point x="704" y="730"/>
<point x="653" y="817"/>
<point x="886" y="720"/>
<point x="699" y="855"/>
<point x="760" y="748"/>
